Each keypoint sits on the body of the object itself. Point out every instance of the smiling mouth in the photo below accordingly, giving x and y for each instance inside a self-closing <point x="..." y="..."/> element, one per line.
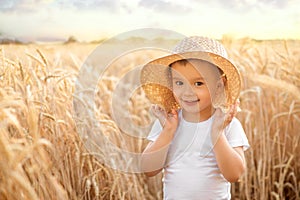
<point x="191" y="101"/>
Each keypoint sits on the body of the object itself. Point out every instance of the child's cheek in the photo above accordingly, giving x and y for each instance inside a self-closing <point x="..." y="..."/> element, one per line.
<point x="176" y="93"/>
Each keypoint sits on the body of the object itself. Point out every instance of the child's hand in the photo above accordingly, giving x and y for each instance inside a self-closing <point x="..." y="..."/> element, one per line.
<point x="221" y="120"/>
<point x="167" y="120"/>
<point x="159" y="113"/>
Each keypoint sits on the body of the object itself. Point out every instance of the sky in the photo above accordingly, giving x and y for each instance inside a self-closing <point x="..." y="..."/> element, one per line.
<point x="88" y="20"/>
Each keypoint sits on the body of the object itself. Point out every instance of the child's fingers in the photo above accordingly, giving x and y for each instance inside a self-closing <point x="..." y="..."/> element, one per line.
<point x="238" y="102"/>
<point x="232" y="112"/>
<point x="159" y="113"/>
<point x="223" y="119"/>
<point x="174" y="113"/>
<point x="172" y="119"/>
<point x="157" y="110"/>
<point x="236" y="107"/>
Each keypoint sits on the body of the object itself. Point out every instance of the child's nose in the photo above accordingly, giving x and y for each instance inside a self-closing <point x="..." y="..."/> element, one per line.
<point x="188" y="90"/>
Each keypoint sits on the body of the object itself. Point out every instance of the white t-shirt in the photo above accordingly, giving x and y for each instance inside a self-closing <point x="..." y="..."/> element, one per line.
<point x="191" y="170"/>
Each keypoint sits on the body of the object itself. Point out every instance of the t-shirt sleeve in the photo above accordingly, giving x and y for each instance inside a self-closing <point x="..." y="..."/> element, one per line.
<point x="155" y="131"/>
<point x="236" y="135"/>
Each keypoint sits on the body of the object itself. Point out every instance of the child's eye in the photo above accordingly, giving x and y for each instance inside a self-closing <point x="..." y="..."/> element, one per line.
<point x="198" y="83"/>
<point x="178" y="82"/>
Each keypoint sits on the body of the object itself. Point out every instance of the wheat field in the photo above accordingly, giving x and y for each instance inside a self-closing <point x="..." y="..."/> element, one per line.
<point x="44" y="157"/>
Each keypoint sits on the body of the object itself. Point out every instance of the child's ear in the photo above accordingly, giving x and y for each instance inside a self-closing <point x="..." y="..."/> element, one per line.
<point x="220" y="85"/>
<point x="219" y="97"/>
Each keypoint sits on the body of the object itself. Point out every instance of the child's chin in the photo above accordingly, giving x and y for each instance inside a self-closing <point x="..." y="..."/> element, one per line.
<point x="190" y="109"/>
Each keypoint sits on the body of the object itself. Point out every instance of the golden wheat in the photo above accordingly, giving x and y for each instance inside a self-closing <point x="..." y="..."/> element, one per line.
<point x="43" y="156"/>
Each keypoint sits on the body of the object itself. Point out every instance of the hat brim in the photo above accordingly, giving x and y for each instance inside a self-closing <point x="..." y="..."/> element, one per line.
<point x="154" y="78"/>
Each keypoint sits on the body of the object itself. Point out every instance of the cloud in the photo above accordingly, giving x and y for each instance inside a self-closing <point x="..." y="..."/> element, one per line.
<point x="246" y="5"/>
<point x="166" y="7"/>
<point x="7" y="5"/>
<point x="24" y="6"/>
<point x="258" y="18"/>
<point x="111" y="5"/>
<point x="35" y="5"/>
<point x="280" y="4"/>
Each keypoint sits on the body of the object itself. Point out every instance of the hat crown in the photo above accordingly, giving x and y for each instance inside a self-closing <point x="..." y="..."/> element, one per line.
<point x="199" y="43"/>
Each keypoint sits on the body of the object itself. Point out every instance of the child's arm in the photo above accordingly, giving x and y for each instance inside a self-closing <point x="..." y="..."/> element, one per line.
<point x="154" y="156"/>
<point x="231" y="161"/>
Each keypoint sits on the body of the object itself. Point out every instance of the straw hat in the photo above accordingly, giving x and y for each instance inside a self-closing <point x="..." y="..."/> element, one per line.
<point x="157" y="83"/>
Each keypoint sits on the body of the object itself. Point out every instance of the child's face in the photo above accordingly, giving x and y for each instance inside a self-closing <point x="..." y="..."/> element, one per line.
<point x="194" y="83"/>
